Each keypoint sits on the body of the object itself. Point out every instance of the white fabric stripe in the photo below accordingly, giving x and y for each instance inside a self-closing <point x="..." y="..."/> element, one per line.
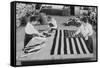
<point x="62" y="42"/>
<point x="56" y="45"/>
<point x="68" y="48"/>
<point x="84" y="45"/>
<point x="80" y="49"/>
<point x="73" y="46"/>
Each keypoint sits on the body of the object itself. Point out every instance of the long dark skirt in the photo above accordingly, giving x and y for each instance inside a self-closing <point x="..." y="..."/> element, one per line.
<point x="27" y="39"/>
<point x="89" y="44"/>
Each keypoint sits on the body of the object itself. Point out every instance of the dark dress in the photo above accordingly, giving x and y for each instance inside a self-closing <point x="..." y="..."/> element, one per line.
<point x="27" y="39"/>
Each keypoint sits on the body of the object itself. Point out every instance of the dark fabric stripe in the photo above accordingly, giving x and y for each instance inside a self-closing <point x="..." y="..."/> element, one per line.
<point x="54" y="43"/>
<point x="76" y="45"/>
<point x="89" y="44"/>
<point x="27" y="39"/>
<point x="66" y="33"/>
<point x="59" y="45"/>
<point x="82" y="46"/>
<point x="70" y="45"/>
<point x="65" y="45"/>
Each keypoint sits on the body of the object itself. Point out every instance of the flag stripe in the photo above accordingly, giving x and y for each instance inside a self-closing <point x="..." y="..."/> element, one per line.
<point x="54" y="42"/>
<point x="70" y="44"/>
<point x="76" y="45"/>
<point x="57" y="42"/>
<point x="62" y="42"/>
<point x="82" y="46"/>
<point x="73" y="46"/>
<point x="79" y="45"/>
<point x="59" y="45"/>
<point x="65" y="45"/>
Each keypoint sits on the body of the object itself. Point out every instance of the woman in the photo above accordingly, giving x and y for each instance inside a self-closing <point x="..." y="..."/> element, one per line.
<point x="52" y="23"/>
<point x="31" y="35"/>
<point x="87" y="31"/>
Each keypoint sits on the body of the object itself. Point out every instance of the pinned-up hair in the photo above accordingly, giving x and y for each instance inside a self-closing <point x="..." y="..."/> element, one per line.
<point x="33" y="18"/>
<point x="49" y="17"/>
<point x="84" y="19"/>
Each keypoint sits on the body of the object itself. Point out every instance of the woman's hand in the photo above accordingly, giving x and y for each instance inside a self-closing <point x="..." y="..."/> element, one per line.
<point x="74" y="35"/>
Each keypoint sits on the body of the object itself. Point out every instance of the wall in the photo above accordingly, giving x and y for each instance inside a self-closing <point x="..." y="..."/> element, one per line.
<point x="77" y="10"/>
<point x="58" y="12"/>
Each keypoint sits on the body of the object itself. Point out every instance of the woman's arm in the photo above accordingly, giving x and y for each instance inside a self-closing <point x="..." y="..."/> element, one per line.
<point x="90" y="30"/>
<point x="77" y="32"/>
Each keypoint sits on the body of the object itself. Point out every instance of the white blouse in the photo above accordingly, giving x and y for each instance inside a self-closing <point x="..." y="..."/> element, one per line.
<point x="53" y="21"/>
<point x="29" y="29"/>
<point x="85" y="30"/>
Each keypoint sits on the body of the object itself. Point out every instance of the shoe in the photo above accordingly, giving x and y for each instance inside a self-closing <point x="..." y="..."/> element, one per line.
<point x="30" y="50"/>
